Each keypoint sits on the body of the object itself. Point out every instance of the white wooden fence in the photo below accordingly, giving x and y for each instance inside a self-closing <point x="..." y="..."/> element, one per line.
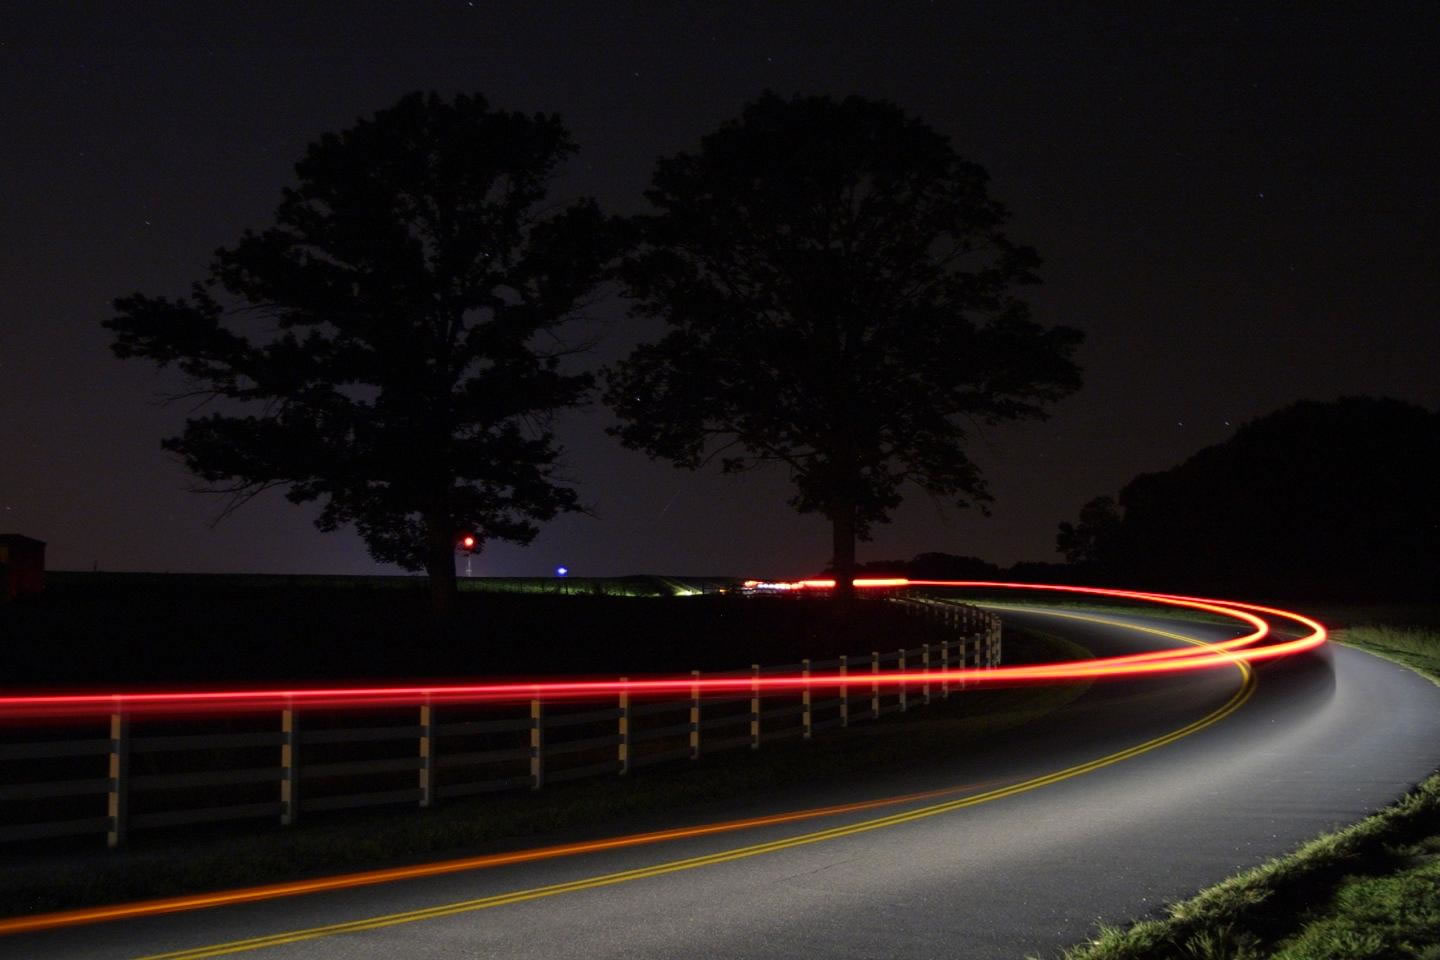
<point x="160" y="772"/>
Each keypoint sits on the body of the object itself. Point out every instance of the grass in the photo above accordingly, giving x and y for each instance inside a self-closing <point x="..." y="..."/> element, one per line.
<point x="1394" y="915"/>
<point x="1414" y="647"/>
<point x="116" y="630"/>
<point x="157" y="866"/>
<point x="1151" y="610"/>
<point x="1371" y="890"/>
<point x="636" y="586"/>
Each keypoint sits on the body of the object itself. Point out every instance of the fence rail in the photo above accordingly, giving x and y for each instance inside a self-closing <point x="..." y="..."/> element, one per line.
<point x="156" y="771"/>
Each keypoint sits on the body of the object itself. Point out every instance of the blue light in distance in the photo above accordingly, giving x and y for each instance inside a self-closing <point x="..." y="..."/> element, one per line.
<point x="561" y="571"/>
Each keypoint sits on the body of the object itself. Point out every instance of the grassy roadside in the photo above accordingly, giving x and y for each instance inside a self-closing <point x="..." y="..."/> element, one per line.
<point x="1149" y="610"/>
<point x="647" y="800"/>
<point x="1371" y="890"/>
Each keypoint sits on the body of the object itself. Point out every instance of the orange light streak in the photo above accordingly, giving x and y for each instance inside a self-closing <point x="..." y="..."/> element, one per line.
<point x="272" y="891"/>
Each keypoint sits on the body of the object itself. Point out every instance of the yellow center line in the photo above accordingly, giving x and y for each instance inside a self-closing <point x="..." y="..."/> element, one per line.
<point x="29" y="923"/>
<point x="1242" y="694"/>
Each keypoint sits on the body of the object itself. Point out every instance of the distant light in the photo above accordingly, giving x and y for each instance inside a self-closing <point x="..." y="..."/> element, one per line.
<point x="467" y="542"/>
<point x="561" y="571"/>
<point x="860" y="583"/>
<point x="863" y="583"/>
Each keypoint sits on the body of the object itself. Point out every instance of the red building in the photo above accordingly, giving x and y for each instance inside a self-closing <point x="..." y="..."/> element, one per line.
<point x="22" y="565"/>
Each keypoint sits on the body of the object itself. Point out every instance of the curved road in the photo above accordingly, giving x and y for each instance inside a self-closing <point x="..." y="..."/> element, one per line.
<point x="1313" y="742"/>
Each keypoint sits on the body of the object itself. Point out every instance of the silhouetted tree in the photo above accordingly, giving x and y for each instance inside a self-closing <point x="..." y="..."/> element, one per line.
<point x="1090" y="541"/>
<point x="839" y="297"/>
<point x="1314" y="500"/>
<point x="382" y="336"/>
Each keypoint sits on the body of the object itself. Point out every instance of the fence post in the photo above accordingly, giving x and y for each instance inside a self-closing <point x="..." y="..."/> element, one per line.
<point x="624" y="748"/>
<point x="537" y="743"/>
<point x="117" y="800"/>
<point x="754" y="706"/>
<point x="289" y="766"/>
<point x="427" y="753"/>
<point x="874" y="684"/>
<point x="694" y="714"/>
<point x="844" y="691"/>
<point x="945" y="669"/>
<point x="807" y="721"/>
<point x="925" y="666"/>
<point x="905" y="687"/>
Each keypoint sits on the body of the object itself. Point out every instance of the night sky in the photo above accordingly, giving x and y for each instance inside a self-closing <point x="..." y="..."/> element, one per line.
<point x="1238" y="204"/>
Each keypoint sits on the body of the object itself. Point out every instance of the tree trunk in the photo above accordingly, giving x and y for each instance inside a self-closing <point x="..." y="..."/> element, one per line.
<point x="440" y="566"/>
<point x="842" y="519"/>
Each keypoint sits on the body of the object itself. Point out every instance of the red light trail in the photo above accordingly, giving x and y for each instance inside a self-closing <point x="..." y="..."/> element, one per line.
<point x="1247" y="647"/>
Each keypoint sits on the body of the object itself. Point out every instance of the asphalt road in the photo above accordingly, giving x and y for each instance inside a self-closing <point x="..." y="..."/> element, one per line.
<point x="1319" y="741"/>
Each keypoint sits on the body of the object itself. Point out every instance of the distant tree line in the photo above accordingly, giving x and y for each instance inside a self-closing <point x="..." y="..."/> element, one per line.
<point x="937" y="565"/>
<point x="1317" y="500"/>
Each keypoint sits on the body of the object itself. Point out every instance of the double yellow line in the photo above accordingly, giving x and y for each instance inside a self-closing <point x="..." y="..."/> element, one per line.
<point x="1242" y="694"/>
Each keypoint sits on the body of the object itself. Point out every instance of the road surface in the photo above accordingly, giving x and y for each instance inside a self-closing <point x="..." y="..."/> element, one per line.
<point x="1139" y="792"/>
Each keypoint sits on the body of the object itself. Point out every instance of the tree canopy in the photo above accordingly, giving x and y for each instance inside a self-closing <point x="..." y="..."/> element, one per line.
<point x="1314" y="500"/>
<point x="840" y="298"/>
<point x="381" y="343"/>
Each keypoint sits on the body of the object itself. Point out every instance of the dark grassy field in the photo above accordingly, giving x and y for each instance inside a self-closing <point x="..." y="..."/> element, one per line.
<point x="115" y="630"/>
